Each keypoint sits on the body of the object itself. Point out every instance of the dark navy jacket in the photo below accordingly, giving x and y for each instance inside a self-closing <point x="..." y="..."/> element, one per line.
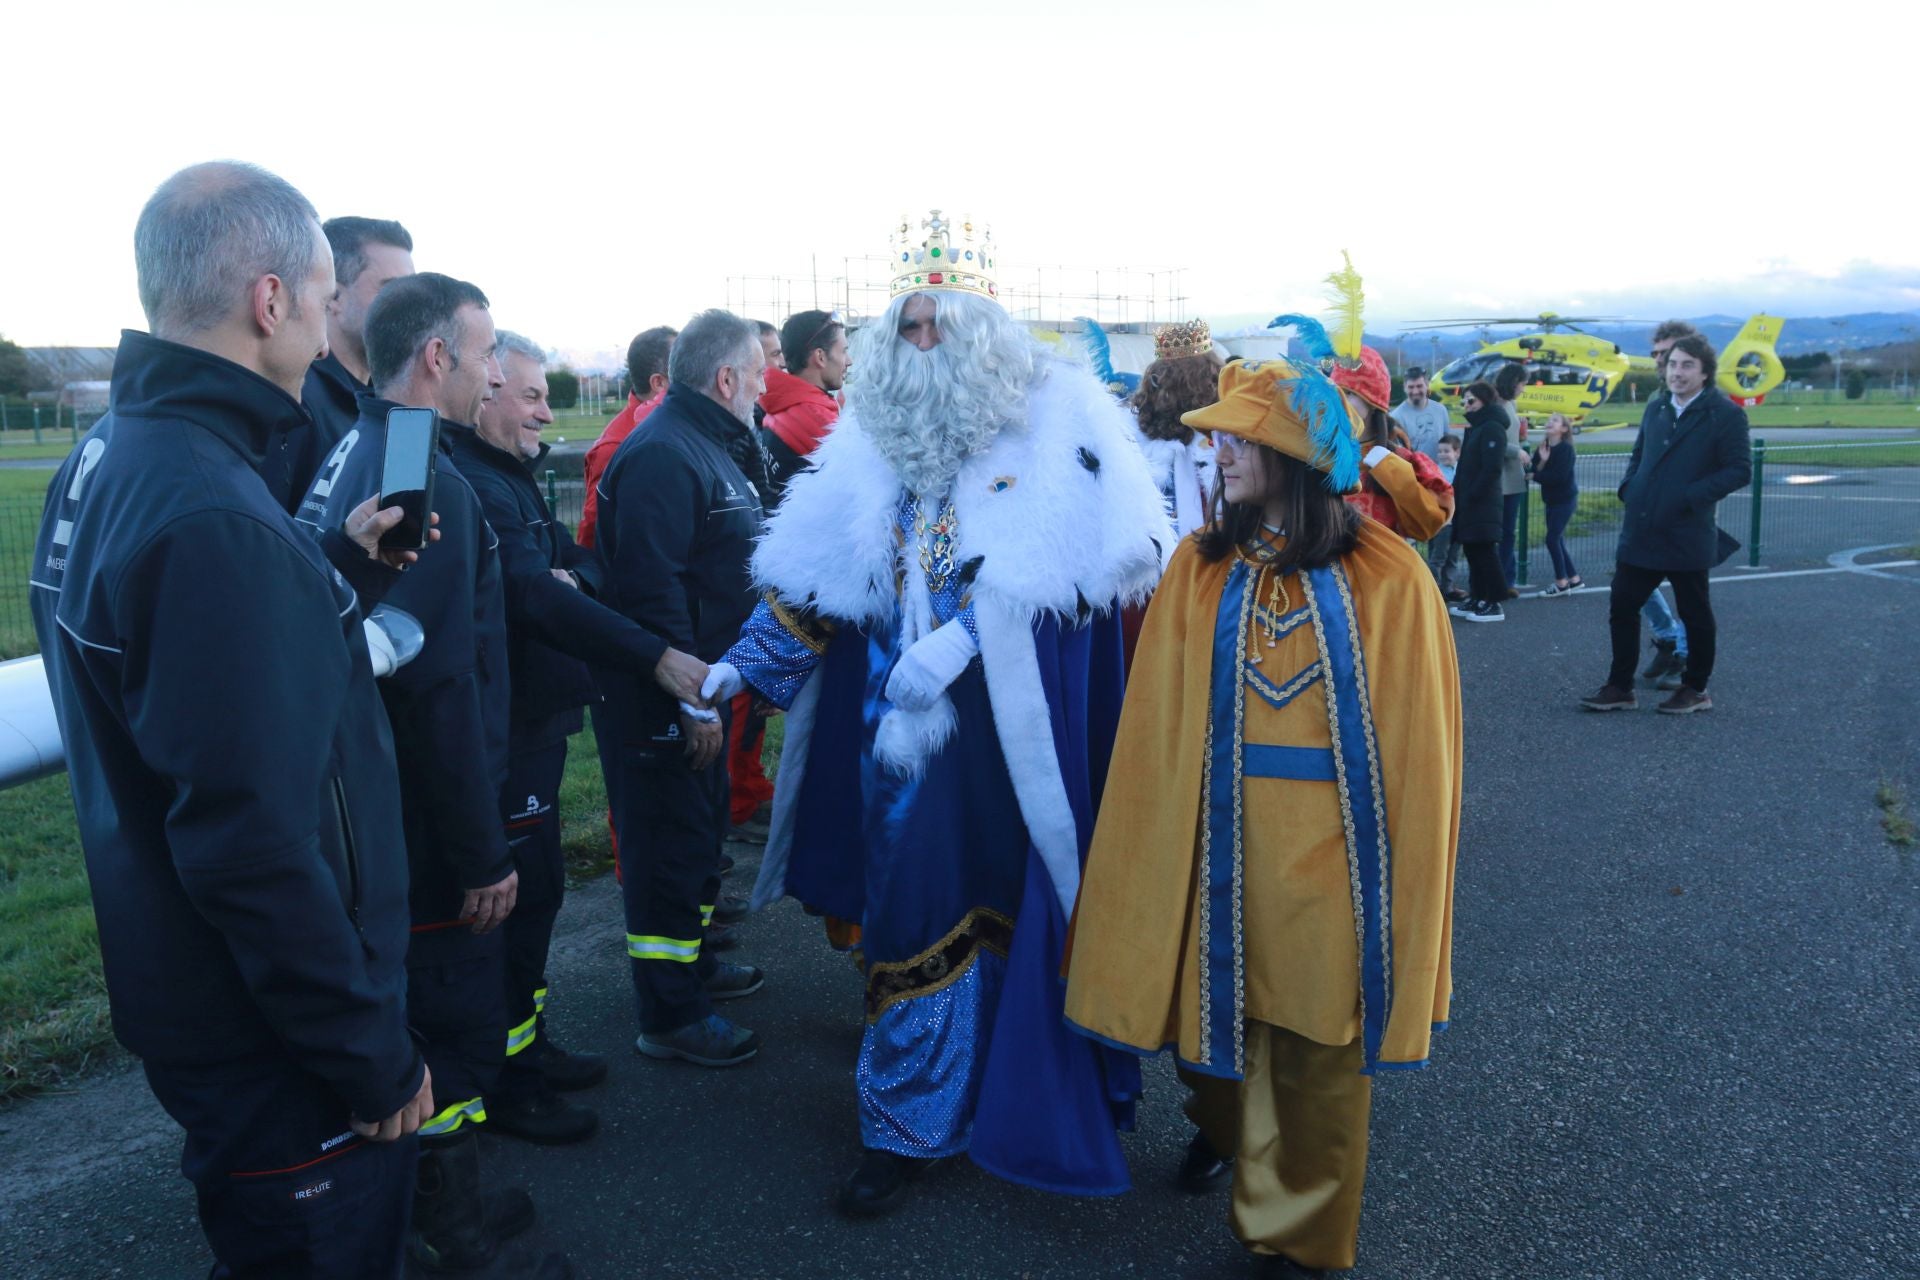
<point x="553" y="630"/>
<point x="1476" y="479"/>
<point x="230" y="762"/>
<point x="677" y="522"/>
<point x="1679" y="471"/>
<point x="331" y="396"/>
<point x="449" y="705"/>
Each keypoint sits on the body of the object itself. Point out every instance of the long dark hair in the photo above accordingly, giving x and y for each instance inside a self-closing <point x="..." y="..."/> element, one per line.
<point x="1320" y="525"/>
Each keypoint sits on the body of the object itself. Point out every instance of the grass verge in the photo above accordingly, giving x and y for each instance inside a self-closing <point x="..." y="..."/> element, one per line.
<point x="54" y="1023"/>
<point x="1895" y="821"/>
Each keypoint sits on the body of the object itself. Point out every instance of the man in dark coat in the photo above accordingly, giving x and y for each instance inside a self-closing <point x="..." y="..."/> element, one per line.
<point x="231" y="767"/>
<point x="1691" y="452"/>
<point x="367" y="253"/>
<point x="555" y="626"/>
<point x="678" y="518"/>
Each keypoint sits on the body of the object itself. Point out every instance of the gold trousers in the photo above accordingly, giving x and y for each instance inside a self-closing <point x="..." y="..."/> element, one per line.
<point x="1297" y="1127"/>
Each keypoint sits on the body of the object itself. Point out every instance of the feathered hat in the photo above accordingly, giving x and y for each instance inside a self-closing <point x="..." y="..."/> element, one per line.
<point x="1289" y="406"/>
<point x="1352" y="366"/>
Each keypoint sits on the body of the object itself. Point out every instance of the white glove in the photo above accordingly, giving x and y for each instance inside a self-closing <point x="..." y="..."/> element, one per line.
<point x="934" y="662"/>
<point x="722" y="684"/>
<point x="707" y="714"/>
<point x="1376" y="455"/>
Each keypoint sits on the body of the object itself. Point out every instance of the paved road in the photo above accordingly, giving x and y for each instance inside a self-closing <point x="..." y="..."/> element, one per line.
<point x="1684" y="1043"/>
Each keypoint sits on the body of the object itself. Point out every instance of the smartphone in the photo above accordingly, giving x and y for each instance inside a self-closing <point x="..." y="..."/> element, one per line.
<point x="406" y="475"/>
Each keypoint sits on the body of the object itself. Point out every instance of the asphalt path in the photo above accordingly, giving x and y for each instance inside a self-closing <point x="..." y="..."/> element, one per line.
<point x="1683" y="1044"/>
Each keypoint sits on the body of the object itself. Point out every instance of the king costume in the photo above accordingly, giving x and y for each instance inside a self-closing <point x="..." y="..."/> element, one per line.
<point x="1269" y="890"/>
<point x="951" y="829"/>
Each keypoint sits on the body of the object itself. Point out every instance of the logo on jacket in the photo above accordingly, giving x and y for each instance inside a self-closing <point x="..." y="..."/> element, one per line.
<point x="313" y="1190"/>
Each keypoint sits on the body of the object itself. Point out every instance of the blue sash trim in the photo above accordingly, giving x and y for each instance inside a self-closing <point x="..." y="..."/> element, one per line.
<point x="1221" y="984"/>
<point x="1362" y="802"/>
<point x="1279" y="695"/>
<point x="1302" y="764"/>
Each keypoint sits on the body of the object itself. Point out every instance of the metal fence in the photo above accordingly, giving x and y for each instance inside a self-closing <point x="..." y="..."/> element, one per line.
<point x="1806" y="502"/>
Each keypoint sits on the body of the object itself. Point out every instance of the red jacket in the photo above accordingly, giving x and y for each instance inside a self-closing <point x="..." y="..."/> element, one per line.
<point x="602" y="453"/>
<point x="798" y="412"/>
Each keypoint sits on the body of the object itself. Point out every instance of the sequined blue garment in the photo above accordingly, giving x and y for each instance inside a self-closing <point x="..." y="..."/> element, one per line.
<point x="771" y="658"/>
<point x="949" y="593"/>
<point x="919" y="1065"/>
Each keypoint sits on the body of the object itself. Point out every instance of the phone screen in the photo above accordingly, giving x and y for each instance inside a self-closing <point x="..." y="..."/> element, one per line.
<point x="406" y="475"/>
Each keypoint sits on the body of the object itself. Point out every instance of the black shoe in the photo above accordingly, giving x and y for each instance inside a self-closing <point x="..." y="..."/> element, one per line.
<point x="564" y="1071"/>
<point x="731" y="981"/>
<point x="449" y="1231"/>
<point x="752" y="831"/>
<point x="545" y="1118"/>
<point x="880" y="1183"/>
<point x="1204" y="1169"/>
<point x="720" y="937"/>
<point x="731" y="909"/>
<point x="506" y="1212"/>
<point x="726" y="863"/>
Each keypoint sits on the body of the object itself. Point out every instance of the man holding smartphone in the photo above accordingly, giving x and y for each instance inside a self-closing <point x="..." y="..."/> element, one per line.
<point x="231" y="770"/>
<point x="430" y="345"/>
<point x="555" y="627"/>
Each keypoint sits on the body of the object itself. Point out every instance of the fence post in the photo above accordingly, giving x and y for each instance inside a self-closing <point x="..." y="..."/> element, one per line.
<point x="36" y="424"/>
<point x="1759" y="487"/>
<point x="1522" y="537"/>
<point x="552" y="498"/>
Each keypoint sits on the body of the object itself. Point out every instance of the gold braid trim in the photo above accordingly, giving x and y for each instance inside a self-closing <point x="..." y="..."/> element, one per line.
<point x="804" y="625"/>
<point x="940" y="965"/>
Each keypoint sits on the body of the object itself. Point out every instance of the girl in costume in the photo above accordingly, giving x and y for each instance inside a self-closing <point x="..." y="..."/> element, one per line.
<point x="1269" y="889"/>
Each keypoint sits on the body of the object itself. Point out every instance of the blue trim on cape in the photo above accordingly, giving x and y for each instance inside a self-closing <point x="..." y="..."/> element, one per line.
<point x="1220" y="929"/>
<point x="1369" y="857"/>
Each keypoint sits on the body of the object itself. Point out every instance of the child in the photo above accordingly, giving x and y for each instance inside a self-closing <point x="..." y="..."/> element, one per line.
<point x="1442" y="554"/>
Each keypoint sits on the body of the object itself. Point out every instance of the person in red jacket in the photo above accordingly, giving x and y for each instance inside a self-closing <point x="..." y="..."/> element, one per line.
<point x="646" y="371"/>
<point x="799" y="402"/>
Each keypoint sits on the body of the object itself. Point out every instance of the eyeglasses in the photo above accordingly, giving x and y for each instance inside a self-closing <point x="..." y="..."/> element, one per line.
<point x="1469" y="399"/>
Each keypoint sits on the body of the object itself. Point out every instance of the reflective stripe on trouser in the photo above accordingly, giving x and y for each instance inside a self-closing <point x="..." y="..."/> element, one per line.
<point x="706" y="914"/>
<point x="449" y="1119"/>
<point x="457" y="1009"/>
<point x="671" y="821"/>
<point x="529" y="809"/>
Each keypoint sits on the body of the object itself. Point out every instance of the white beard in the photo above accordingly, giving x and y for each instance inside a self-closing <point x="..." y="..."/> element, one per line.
<point x="930" y="420"/>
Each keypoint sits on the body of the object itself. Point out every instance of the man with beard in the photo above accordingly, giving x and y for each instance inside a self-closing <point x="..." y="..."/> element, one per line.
<point x="940" y="620"/>
<point x="678" y="516"/>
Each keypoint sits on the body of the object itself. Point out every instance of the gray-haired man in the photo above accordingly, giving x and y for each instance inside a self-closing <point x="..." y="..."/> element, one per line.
<point x="677" y="520"/>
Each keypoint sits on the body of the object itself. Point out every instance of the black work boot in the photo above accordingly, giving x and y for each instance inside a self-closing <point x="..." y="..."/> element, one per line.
<point x="880" y="1183"/>
<point x="565" y="1070"/>
<point x="449" y="1216"/>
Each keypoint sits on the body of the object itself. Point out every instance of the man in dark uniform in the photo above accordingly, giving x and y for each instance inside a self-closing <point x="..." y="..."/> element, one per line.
<point x="678" y="517"/>
<point x="367" y="253"/>
<point x="430" y="344"/>
<point x="231" y="767"/>
<point x="555" y="627"/>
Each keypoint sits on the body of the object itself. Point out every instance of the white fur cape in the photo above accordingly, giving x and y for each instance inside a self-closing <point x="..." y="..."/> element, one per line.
<point x="1184" y="471"/>
<point x="1061" y="516"/>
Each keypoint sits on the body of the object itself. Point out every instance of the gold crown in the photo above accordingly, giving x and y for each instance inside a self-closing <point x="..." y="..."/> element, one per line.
<point x="1188" y="338"/>
<point x="949" y="257"/>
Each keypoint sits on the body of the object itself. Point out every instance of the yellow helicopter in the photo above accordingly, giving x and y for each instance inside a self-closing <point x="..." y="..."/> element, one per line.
<point x="1574" y="372"/>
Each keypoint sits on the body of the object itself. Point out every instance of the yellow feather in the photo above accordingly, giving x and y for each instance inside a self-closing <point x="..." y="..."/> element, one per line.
<point x="1349" y="305"/>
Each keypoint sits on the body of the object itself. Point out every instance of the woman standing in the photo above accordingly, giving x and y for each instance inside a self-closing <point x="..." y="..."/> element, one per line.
<point x="1269" y="888"/>
<point x="1560" y="493"/>
<point x="1477" y="504"/>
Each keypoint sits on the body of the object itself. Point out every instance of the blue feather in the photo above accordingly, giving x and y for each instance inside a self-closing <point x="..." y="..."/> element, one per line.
<point x="1321" y="407"/>
<point x="1099" y="349"/>
<point x="1312" y="334"/>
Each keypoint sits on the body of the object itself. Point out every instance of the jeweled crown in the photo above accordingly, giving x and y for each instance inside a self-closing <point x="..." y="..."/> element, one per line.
<point x="949" y="256"/>
<point x="1187" y="338"/>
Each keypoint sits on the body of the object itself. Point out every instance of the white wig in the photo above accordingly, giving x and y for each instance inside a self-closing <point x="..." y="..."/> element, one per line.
<point x="929" y="411"/>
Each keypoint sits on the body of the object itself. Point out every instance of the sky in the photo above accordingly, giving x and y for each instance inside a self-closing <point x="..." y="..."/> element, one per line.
<point x="600" y="168"/>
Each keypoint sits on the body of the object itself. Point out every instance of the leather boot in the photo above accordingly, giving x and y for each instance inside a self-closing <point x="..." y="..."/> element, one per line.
<point x="449" y="1216"/>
